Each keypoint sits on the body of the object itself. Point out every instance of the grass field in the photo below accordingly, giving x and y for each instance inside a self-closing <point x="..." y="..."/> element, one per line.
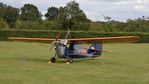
<point x="26" y="63"/>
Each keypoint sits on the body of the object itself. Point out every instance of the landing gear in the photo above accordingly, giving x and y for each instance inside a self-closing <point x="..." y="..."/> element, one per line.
<point x="52" y="60"/>
<point x="69" y="61"/>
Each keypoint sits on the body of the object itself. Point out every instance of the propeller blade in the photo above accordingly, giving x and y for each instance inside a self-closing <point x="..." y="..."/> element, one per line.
<point x="51" y="48"/>
<point x="56" y="39"/>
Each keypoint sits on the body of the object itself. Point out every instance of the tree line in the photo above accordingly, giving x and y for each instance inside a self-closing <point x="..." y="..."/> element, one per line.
<point x="140" y="24"/>
<point x="69" y="16"/>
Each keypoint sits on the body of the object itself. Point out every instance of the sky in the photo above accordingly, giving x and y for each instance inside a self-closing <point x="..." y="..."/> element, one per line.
<point x="120" y="10"/>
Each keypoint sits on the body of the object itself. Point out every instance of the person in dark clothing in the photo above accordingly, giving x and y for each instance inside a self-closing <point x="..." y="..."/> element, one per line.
<point x="71" y="46"/>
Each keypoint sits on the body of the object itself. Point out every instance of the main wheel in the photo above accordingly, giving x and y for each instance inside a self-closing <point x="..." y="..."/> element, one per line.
<point x="69" y="61"/>
<point x="52" y="60"/>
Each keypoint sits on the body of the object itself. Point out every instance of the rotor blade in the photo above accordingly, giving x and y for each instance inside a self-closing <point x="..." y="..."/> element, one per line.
<point x="58" y="35"/>
<point x="106" y="50"/>
<point x="99" y="50"/>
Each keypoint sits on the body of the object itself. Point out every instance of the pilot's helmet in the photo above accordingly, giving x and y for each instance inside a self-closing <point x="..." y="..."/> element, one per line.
<point x="92" y="48"/>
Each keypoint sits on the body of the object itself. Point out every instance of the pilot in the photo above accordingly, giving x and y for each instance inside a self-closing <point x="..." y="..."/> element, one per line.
<point x="91" y="50"/>
<point x="71" y="46"/>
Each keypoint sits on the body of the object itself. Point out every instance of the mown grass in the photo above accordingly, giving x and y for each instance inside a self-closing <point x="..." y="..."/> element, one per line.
<point x="26" y="63"/>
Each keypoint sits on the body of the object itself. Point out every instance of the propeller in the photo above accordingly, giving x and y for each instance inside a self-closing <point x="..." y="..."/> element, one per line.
<point x="56" y="39"/>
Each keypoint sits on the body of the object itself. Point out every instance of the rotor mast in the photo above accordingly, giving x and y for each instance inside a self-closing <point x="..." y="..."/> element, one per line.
<point x="68" y="32"/>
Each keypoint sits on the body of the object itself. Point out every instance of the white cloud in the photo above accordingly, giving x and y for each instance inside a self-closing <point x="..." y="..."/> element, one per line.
<point x="139" y="7"/>
<point x="142" y="1"/>
<point x="142" y="5"/>
<point x="94" y="9"/>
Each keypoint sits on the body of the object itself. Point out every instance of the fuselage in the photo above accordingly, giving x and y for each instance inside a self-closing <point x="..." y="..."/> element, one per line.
<point x="77" y="51"/>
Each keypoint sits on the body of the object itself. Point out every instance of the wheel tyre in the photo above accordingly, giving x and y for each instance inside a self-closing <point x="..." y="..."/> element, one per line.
<point x="49" y="62"/>
<point x="69" y="61"/>
<point x="53" y="60"/>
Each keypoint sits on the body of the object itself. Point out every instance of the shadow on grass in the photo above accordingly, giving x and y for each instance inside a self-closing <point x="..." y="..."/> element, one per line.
<point x="31" y="59"/>
<point x="84" y="60"/>
<point x="96" y="61"/>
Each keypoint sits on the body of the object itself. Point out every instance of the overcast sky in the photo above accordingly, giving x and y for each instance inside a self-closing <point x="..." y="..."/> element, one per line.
<point x="119" y="10"/>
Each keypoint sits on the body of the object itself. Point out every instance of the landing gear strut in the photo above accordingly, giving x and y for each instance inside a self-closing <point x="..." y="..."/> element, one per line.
<point x="52" y="60"/>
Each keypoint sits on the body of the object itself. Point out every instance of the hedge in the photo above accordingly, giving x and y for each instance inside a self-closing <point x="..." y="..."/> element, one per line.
<point x="4" y="34"/>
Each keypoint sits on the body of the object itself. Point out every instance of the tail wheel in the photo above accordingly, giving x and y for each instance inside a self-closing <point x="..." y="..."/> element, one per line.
<point x="52" y="60"/>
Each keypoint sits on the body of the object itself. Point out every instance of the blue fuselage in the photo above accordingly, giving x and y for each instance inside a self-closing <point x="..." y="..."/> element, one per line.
<point x="78" y="51"/>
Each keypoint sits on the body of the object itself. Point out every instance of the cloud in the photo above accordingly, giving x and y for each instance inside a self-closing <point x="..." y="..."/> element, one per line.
<point x="139" y="7"/>
<point x="95" y="9"/>
<point x="142" y="5"/>
<point x="142" y="1"/>
<point x="113" y="1"/>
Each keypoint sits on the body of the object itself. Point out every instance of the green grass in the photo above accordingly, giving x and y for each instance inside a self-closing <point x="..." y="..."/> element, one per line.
<point x="26" y="63"/>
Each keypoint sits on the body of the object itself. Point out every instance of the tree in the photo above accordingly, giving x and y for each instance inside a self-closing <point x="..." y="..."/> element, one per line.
<point x="30" y="12"/>
<point x="72" y="16"/>
<point x="3" y="24"/>
<point x="52" y="13"/>
<point x="138" y="25"/>
<point x="108" y="24"/>
<point x="9" y="14"/>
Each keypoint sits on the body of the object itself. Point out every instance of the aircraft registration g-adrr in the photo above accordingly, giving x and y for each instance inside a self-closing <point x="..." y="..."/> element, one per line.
<point x="71" y="48"/>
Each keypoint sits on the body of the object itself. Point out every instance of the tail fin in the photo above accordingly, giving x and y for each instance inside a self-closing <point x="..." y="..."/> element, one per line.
<point x="97" y="48"/>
